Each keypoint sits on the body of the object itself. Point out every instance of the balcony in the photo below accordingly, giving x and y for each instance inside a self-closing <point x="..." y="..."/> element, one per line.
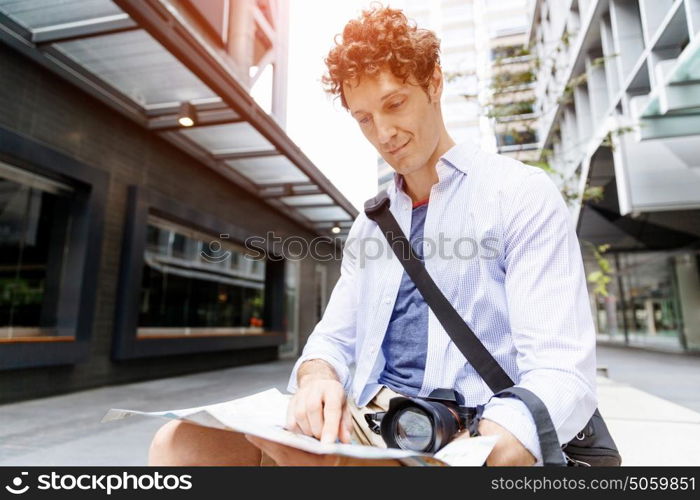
<point x="515" y="140"/>
<point x="507" y="81"/>
<point x="513" y="111"/>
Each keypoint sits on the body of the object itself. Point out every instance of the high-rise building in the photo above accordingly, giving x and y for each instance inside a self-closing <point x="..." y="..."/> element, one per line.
<point x="618" y="96"/>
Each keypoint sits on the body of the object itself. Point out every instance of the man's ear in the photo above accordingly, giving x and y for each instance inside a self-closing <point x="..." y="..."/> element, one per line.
<point x="435" y="86"/>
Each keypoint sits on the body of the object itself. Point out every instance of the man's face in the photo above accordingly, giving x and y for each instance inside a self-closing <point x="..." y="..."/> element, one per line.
<point x="401" y="120"/>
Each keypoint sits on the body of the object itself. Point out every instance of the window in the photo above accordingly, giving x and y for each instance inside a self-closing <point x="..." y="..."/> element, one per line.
<point x="643" y="305"/>
<point x="290" y="348"/>
<point x="35" y="216"/>
<point x="516" y="137"/>
<point x="508" y="51"/>
<point x="190" y="287"/>
<point x="51" y="218"/>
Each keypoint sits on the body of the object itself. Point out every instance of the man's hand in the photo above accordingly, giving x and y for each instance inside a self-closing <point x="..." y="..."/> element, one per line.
<point x="509" y="451"/>
<point x="319" y="407"/>
<point x="288" y="456"/>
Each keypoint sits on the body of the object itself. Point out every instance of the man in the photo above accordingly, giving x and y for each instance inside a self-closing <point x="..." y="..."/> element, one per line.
<point x="508" y="261"/>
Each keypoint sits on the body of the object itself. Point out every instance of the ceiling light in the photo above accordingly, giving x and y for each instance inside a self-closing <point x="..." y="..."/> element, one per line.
<point x="185" y="121"/>
<point x="186" y="116"/>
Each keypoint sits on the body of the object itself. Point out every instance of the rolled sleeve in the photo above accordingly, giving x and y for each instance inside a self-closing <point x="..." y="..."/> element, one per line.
<point x="515" y="417"/>
<point x="339" y="366"/>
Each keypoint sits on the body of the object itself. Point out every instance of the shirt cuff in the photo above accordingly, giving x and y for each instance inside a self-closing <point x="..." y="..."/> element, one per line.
<point x="341" y="370"/>
<point x="514" y="416"/>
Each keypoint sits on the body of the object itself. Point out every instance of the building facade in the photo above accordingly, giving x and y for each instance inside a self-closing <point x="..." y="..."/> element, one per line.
<point x="135" y="167"/>
<point x="618" y="95"/>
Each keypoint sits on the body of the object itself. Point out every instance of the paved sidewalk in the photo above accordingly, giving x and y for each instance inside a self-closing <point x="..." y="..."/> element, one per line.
<point x="649" y="430"/>
<point x="675" y="377"/>
<point x="66" y="430"/>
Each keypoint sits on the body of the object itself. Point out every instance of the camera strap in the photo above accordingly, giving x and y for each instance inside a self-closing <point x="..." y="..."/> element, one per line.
<point x="377" y="209"/>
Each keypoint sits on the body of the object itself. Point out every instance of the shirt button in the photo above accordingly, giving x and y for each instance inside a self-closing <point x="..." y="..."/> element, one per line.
<point x="387" y="300"/>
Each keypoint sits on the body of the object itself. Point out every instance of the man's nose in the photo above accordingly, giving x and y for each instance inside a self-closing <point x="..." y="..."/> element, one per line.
<point x="385" y="131"/>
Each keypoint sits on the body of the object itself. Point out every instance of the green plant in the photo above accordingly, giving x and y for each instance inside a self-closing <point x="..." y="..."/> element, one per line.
<point x="511" y="109"/>
<point x="499" y="54"/>
<point x="536" y="64"/>
<point x="593" y="193"/>
<point x="601" y="277"/>
<point x="608" y="139"/>
<point x="599" y="61"/>
<point x="451" y="76"/>
<point x="18" y="291"/>
<point x="507" y="79"/>
<point x="257" y="306"/>
<point x="566" y="38"/>
<point x="568" y="94"/>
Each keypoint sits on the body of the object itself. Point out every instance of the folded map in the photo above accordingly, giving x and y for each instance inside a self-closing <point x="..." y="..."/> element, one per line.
<point x="263" y="415"/>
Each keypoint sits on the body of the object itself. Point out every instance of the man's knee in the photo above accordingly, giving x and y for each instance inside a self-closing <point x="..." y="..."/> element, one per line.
<point x="165" y="444"/>
<point x="179" y="443"/>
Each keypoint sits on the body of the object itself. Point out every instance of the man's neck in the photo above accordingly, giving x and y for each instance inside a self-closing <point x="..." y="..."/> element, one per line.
<point x="419" y="183"/>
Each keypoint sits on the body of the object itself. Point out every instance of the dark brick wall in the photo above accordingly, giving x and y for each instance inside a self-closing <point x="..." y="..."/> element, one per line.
<point x="39" y="104"/>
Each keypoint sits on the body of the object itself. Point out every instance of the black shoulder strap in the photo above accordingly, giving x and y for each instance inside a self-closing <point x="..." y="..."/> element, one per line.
<point x="377" y="209"/>
<point x="549" y="441"/>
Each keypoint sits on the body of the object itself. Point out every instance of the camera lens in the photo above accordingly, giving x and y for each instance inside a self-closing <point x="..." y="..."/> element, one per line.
<point x="414" y="429"/>
<point x="418" y="424"/>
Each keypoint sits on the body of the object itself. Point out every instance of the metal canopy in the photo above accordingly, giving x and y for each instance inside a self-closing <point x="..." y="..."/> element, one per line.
<point x="138" y="66"/>
<point x="143" y="59"/>
<point x="44" y="14"/>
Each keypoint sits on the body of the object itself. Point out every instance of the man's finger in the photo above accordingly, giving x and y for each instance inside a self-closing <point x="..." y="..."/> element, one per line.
<point x="314" y="414"/>
<point x="301" y="418"/>
<point x="346" y="425"/>
<point x="332" y="414"/>
<point x="291" y="421"/>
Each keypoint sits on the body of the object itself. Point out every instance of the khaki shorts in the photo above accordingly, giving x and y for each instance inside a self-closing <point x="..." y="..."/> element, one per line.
<point x="361" y="433"/>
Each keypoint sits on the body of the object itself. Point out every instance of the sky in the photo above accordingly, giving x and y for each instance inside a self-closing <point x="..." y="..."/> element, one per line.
<point x="315" y="121"/>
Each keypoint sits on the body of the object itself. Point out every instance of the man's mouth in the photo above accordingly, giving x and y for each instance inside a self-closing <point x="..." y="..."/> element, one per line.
<point x="399" y="149"/>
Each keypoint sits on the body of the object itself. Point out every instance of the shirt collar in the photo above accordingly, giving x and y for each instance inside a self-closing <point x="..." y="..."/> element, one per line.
<point x="458" y="157"/>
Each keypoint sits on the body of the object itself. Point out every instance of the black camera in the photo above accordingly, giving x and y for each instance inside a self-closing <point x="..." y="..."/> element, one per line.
<point x="422" y="424"/>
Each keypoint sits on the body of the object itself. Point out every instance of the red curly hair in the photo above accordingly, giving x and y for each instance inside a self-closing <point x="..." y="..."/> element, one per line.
<point x="381" y="38"/>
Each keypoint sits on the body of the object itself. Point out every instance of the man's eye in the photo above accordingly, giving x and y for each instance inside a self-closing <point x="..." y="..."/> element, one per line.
<point x="364" y="121"/>
<point x="395" y="105"/>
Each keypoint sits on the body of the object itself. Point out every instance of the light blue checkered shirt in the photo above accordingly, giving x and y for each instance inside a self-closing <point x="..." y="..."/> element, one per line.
<point x="499" y="243"/>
